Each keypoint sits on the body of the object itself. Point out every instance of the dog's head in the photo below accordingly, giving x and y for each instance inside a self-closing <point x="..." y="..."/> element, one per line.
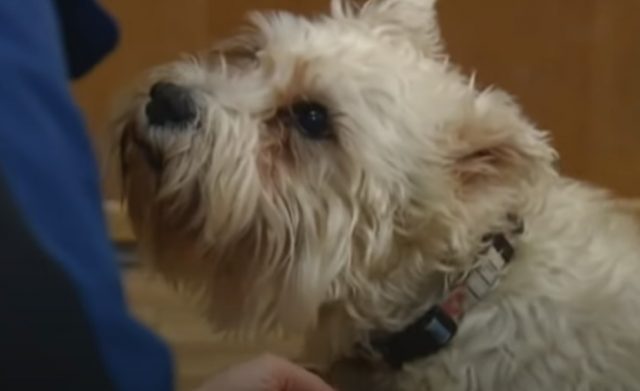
<point x="308" y="161"/>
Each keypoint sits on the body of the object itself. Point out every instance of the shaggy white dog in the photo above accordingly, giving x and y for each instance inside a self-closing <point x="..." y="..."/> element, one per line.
<point x="336" y="176"/>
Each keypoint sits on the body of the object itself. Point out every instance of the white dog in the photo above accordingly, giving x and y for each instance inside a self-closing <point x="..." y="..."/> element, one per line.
<point x="336" y="176"/>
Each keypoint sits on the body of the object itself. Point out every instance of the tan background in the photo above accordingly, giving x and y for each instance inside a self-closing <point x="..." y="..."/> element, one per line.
<point x="572" y="63"/>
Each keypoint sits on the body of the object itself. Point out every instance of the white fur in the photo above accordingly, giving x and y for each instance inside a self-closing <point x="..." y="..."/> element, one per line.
<point x="340" y="237"/>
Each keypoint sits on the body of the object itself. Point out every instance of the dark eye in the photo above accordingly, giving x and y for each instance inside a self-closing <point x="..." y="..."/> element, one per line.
<point x="312" y="120"/>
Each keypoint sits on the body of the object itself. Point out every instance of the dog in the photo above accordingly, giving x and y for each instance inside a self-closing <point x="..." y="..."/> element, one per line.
<point x="337" y="177"/>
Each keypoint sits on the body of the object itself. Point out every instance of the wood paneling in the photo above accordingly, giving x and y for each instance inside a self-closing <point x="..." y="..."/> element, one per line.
<point x="613" y="141"/>
<point x="571" y="63"/>
<point x="536" y="50"/>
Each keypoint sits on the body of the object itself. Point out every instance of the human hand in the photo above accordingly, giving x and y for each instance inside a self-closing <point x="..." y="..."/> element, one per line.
<point x="266" y="373"/>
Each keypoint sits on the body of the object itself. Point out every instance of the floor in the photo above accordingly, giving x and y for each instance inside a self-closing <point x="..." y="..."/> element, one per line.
<point x="198" y="352"/>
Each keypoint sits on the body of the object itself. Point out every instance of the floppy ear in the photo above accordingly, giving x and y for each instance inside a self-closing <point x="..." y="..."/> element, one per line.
<point x="415" y="20"/>
<point x="496" y="146"/>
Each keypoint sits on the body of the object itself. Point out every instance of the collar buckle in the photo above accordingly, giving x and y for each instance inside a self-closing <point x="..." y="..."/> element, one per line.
<point x="437" y="327"/>
<point x="424" y="337"/>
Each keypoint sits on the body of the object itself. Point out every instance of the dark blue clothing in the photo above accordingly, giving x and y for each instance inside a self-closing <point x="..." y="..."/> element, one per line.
<point x="64" y="324"/>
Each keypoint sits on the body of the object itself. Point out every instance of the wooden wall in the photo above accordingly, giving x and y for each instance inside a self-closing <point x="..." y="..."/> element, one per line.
<point x="573" y="64"/>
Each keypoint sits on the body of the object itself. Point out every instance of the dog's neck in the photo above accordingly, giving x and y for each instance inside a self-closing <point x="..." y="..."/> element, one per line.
<point x="385" y="339"/>
<point x="436" y="328"/>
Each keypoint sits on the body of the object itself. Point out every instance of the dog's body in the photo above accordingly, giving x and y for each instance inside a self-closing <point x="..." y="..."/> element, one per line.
<point x="563" y="318"/>
<point x="334" y="176"/>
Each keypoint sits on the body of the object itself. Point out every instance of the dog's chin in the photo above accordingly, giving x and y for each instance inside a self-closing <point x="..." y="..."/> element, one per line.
<point x="241" y="272"/>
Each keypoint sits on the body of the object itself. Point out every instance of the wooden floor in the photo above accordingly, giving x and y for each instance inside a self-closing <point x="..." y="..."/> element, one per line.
<point x="198" y="352"/>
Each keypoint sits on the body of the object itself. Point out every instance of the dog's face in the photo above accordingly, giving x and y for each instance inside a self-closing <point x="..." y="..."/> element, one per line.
<point x="309" y="160"/>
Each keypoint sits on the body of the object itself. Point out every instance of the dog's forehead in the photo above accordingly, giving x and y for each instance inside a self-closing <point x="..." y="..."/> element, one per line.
<point x="324" y="36"/>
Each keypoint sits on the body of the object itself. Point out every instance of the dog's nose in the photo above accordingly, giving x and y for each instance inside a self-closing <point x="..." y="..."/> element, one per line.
<point x="170" y="105"/>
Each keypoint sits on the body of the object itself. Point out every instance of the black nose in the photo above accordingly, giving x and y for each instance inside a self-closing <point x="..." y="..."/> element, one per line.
<point x="170" y="105"/>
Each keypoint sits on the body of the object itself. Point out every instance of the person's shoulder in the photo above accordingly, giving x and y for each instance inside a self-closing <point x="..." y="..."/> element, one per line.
<point x="88" y="31"/>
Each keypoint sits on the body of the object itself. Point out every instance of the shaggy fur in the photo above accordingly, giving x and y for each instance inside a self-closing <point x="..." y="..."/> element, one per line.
<point x="337" y="238"/>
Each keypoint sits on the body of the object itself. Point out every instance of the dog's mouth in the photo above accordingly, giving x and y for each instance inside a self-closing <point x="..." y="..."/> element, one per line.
<point x="152" y="155"/>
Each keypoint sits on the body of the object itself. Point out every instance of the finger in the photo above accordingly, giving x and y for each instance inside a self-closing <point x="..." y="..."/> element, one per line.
<point x="294" y="378"/>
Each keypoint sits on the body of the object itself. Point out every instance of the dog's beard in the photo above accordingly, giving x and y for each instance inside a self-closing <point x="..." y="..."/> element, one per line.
<point x="261" y="256"/>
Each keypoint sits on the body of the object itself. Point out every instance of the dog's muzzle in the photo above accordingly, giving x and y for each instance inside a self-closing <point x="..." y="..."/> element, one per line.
<point x="170" y="105"/>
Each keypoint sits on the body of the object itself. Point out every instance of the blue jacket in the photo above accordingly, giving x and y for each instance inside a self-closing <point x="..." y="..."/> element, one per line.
<point x="64" y="324"/>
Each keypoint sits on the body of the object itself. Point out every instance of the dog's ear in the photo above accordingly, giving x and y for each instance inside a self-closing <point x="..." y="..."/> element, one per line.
<point x="496" y="146"/>
<point x="414" y="20"/>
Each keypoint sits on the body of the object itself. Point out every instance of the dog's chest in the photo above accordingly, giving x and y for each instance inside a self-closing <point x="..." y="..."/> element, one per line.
<point x="518" y="345"/>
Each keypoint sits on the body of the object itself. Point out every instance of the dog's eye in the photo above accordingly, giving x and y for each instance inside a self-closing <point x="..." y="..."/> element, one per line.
<point x="311" y="119"/>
